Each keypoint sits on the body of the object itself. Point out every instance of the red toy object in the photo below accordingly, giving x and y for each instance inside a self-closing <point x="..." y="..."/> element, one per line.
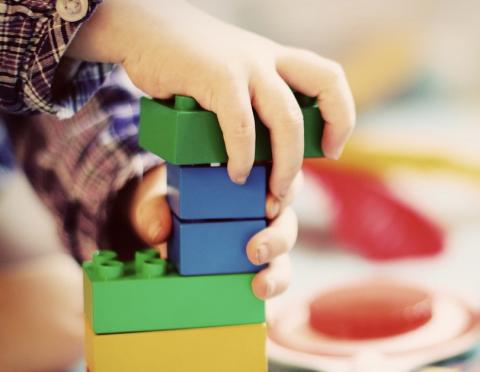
<point x="370" y="219"/>
<point x="371" y="310"/>
<point x="441" y="327"/>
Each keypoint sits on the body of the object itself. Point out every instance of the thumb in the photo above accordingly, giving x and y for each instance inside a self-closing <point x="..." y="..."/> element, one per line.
<point x="153" y="221"/>
<point x="149" y="212"/>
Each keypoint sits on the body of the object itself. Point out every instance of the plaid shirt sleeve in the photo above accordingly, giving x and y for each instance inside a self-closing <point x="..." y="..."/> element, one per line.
<point x="78" y="165"/>
<point x="33" y="39"/>
<point x="79" y="159"/>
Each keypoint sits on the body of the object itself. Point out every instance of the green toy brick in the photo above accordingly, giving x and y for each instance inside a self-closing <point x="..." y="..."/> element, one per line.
<point x="182" y="133"/>
<point x="145" y="295"/>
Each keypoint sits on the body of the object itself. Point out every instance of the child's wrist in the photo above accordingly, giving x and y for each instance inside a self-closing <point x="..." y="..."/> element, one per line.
<point x="98" y="39"/>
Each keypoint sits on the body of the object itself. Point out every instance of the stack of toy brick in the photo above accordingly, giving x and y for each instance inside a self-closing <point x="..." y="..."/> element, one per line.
<point x="198" y="312"/>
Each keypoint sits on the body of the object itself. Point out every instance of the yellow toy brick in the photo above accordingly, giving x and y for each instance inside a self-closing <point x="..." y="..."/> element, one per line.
<point x="216" y="349"/>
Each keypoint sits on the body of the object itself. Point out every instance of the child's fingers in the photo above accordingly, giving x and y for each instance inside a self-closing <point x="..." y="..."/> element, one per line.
<point x="273" y="280"/>
<point x="149" y="211"/>
<point x="235" y="115"/>
<point x="319" y="77"/>
<point x="275" y="206"/>
<point x="277" y="239"/>
<point x="279" y="111"/>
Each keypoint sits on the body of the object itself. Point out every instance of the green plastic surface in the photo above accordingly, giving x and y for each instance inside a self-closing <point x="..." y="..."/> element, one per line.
<point x="182" y="133"/>
<point x="142" y="296"/>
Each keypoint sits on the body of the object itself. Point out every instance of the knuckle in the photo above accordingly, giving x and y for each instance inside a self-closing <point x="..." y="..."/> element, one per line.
<point x="336" y="72"/>
<point x="294" y="117"/>
<point x="301" y="53"/>
<point x="350" y="126"/>
<point x="309" y="54"/>
<point x="228" y="72"/>
<point x="243" y="130"/>
<point x="291" y="122"/>
<point x="347" y="126"/>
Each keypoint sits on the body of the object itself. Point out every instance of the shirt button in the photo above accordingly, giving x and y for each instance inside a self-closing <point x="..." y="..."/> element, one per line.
<point x="72" y="10"/>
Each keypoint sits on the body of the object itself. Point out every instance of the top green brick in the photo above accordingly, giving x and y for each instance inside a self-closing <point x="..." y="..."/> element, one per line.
<point x="182" y="133"/>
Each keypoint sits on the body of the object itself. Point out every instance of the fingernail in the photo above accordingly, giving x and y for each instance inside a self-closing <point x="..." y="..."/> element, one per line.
<point x="240" y="180"/>
<point x="336" y="153"/>
<point x="270" y="288"/>
<point x="262" y="254"/>
<point x="154" y="231"/>
<point x="273" y="208"/>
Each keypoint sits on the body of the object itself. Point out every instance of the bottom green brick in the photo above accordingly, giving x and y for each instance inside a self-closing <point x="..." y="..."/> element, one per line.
<point x="143" y="295"/>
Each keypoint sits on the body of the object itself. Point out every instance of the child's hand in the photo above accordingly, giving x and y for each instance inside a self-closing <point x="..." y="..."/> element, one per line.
<point x="150" y="219"/>
<point x="169" y="47"/>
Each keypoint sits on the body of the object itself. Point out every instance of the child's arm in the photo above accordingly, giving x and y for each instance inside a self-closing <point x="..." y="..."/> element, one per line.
<point x="33" y="39"/>
<point x="172" y="48"/>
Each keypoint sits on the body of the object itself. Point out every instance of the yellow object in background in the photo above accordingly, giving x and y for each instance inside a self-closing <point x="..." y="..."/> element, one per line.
<point x="359" y="154"/>
<point x="218" y="349"/>
<point x="382" y="66"/>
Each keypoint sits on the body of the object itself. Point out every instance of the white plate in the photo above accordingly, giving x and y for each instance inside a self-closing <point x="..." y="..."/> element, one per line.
<point x="453" y="330"/>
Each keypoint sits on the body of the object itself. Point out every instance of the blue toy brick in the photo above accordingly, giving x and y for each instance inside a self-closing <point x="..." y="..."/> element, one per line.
<point x="204" y="248"/>
<point x="204" y="192"/>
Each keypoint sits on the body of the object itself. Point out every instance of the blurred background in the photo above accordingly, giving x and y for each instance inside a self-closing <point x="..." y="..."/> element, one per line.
<point x="411" y="207"/>
<point x="403" y="204"/>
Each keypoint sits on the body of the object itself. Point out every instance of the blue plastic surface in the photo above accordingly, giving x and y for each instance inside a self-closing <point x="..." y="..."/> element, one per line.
<point x="204" y="192"/>
<point x="205" y="248"/>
